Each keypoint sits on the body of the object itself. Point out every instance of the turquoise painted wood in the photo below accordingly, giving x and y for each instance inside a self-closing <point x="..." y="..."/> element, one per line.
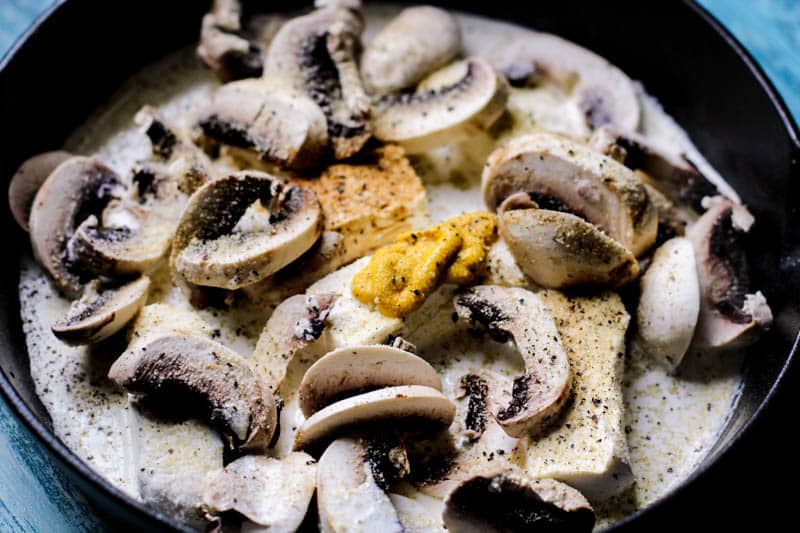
<point x="35" y="497"/>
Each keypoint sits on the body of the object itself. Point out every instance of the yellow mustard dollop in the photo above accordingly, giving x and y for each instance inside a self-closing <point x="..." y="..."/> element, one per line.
<point x="399" y="277"/>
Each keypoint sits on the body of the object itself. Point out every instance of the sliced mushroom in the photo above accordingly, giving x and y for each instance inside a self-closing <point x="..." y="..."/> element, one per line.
<point x="558" y="250"/>
<point x="240" y="229"/>
<point x="271" y="493"/>
<point x="233" y="395"/>
<point x="517" y="314"/>
<point x="408" y="402"/>
<point x="101" y="312"/>
<point x="349" y="496"/>
<point x="671" y="222"/>
<point x="669" y="303"/>
<point x="730" y="316"/>
<point x="563" y="175"/>
<point x="78" y="187"/>
<point x="315" y="54"/>
<point x="281" y="124"/>
<point x="674" y="175"/>
<point x="470" y="99"/>
<point x="506" y="500"/>
<point x="353" y="369"/>
<point x="603" y="93"/>
<point x="416" y="42"/>
<point x="26" y="182"/>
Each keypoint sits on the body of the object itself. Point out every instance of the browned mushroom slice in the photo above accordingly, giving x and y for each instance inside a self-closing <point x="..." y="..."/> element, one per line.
<point x="517" y="314"/>
<point x="730" y="315"/>
<point x="459" y="100"/>
<point x="352" y="369"/>
<point x="506" y="500"/>
<point x="563" y="175"/>
<point x="315" y="54"/>
<point x="232" y="393"/>
<point x="77" y="188"/>
<point x="240" y="229"/>
<point x="416" y="42"/>
<point x="26" y="182"/>
<point x="101" y="312"/>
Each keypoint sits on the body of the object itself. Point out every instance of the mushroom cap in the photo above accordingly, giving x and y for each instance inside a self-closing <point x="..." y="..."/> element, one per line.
<point x="471" y="99"/>
<point x="76" y="188"/>
<point x="416" y="42"/>
<point x="99" y="313"/>
<point x="235" y="398"/>
<point x="412" y="402"/>
<point x="558" y="249"/>
<point x="26" y="181"/>
<point x="565" y="175"/>
<point x="218" y="245"/>
<point x="272" y="493"/>
<point x="359" y="368"/>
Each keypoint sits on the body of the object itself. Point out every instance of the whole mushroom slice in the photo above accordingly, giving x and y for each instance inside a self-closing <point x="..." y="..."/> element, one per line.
<point x="506" y="500"/>
<point x="471" y="99"/>
<point x="730" y="315"/>
<point x="281" y="124"/>
<point x="669" y="303"/>
<point x="26" y="181"/>
<point x="315" y="55"/>
<point x="273" y="494"/>
<point x="419" y="404"/>
<point x="517" y="314"/>
<point x="604" y="94"/>
<point x="558" y="250"/>
<point x="563" y="175"/>
<point x="240" y="229"/>
<point x="352" y="369"/>
<point x="233" y="396"/>
<point x="101" y="312"/>
<point x="416" y="42"/>
<point x="77" y="188"/>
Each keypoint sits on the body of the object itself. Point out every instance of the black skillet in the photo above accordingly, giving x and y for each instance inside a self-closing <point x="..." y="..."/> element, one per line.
<point x="80" y="51"/>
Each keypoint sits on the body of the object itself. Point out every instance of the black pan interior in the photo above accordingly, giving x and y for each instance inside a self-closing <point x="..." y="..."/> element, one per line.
<point x="85" y="49"/>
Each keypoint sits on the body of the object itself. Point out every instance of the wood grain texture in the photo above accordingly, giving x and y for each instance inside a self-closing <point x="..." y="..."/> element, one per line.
<point x="35" y="497"/>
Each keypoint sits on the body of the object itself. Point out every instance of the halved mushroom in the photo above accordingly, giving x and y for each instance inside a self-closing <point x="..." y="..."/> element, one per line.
<point x="730" y="316"/>
<point x="353" y="369"/>
<point x="558" y="249"/>
<point x="538" y="395"/>
<point x="669" y="303"/>
<point x="461" y="99"/>
<point x="507" y="500"/>
<point x="240" y="229"/>
<point x="281" y="124"/>
<point x="603" y="92"/>
<point x="30" y="175"/>
<point x="273" y="494"/>
<point x="416" y="42"/>
<point x="415" y="403"/>
<point x="674" y="175"/>
<point x="78" y="187"/>
<point x="315" y="55"/>
<point x="563" y="175"/>
<point x="233" y="396"/>
<point x="101" y="311"/>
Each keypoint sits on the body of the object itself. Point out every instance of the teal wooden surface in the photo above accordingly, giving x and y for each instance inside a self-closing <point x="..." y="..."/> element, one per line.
<point x="35" y="497"/>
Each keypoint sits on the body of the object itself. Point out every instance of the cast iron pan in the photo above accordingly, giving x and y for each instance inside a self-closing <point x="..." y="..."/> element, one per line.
<point x="80" y="51"/>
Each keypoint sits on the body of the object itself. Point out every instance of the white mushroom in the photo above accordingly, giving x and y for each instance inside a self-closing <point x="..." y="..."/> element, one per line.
<point x="669" y="303"/>
<point x="416" y="42"/>
<point x="233" y="396"/>
<point x="360" y="368"/>
<point x="272" y="494"/>
<point x="26" y="181"/>
<point x="563" y="175"/>
<point x="101" y="311"/>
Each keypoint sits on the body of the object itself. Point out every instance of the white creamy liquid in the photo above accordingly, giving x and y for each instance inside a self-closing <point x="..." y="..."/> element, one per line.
<point x="670" y="420"/>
